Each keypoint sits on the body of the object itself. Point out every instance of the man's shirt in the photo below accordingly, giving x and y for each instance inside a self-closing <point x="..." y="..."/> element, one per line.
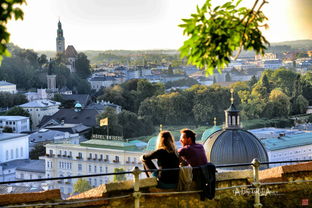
<point x="193" y="154"/>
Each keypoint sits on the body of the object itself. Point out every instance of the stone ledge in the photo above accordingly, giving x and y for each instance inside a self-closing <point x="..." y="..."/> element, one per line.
<point x="277" y="174"/>
<point x="101" y="190"/>
<point x="50" y="195"/>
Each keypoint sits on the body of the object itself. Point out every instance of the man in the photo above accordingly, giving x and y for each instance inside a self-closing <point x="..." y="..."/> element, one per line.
<point x="191" y="152"/>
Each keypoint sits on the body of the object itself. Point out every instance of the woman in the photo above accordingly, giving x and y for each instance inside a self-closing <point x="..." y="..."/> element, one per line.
<point x="167" y="157"/>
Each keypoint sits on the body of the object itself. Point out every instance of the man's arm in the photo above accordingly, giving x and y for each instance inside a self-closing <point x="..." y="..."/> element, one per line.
<point x="182" y="161"/>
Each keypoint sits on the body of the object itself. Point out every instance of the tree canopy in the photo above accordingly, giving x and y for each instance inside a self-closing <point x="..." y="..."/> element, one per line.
<point x="8" y="10"/>
<point x="216" y="32"/>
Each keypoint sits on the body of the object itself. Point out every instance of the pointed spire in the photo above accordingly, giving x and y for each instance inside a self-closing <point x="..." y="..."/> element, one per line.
<point x="232" y="95"/>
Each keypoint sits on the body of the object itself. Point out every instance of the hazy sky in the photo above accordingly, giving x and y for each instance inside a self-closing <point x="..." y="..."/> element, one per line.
<point x="138" y="24"/>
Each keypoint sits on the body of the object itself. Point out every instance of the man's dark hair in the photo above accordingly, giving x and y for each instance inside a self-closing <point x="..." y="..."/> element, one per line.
<point x="189" y="134"/>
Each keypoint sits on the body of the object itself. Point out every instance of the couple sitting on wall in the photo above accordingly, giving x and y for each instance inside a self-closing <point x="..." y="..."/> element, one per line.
<point x="191" y="154"/>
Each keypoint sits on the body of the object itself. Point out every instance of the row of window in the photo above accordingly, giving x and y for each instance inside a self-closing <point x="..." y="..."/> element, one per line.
<point x="18" y="154"/>
<point x="64" y="165"/>
<point x="290" y="152"/>
<point x="8" y="122"/>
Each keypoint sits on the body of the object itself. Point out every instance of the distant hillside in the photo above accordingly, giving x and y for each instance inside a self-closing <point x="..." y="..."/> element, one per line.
<point x="296" y="44"/>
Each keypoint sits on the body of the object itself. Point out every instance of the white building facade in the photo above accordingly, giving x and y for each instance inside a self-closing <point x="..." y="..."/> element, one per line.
<point x="13" y="147"/>
<point x="90" y="157"/>
<point x="17" y="123"/>
<point x="39" y="108"/>
<point x="7" y="87"/>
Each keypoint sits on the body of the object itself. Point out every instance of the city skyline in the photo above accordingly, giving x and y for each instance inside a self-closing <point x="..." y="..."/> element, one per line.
<point x="138" y="24"/>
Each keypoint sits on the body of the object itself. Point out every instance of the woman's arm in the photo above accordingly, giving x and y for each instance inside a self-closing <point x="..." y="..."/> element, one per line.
<point x="151" y="155"/>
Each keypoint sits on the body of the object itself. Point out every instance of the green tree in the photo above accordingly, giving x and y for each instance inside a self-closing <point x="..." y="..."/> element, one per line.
<point x="81" y="185"/>
<point x="228" y="77"/>
<point x="215" y="33"/>
<point x="300" y="105"/>
<point x="252" y="81"/>
<point x="42" y="60"/>
<point x="7" y="129"/>
<point x="9" y="10"/>
<point x="284" y="79"/>
<point x="17" y="111"/>
<point x="82" y="66"/>
<point x="170" y="70"/>
<point x="39" y="150"/>
<point x="281" y="103"/>
<point x="120" y="177"/>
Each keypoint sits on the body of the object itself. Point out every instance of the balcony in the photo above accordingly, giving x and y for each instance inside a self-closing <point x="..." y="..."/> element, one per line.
<point x="116" y="161"/>
<point x="78" y="158"/>
<point x="59" y="155"/>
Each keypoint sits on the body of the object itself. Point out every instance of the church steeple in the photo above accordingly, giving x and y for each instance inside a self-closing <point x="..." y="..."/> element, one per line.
<point x="232" y="115"/>
<point x="60" y="40"/>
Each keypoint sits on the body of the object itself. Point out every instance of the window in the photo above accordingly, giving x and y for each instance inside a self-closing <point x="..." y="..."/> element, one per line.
<point x="22" y="175"/>
<point x="11" y="153"/>
<point x="95" y="182"/>
<point x="79" y="167"/>
<point x="51" y="153"/>
<point x="107" y="158"/>
<point x="90" y="168"/>
<point x="101" y="169"/>
<point x="117" y="158"/>
<point x="30" y="176"/>
<point x="70" y="154"/>
<point x="7" y="155"/>
<point x="90" y="156"/>
<point x="95" y="156"/>
<point x="95" y="169"/>
<point x="80" y="155"/>
<point x="101" y="157"/>
<point x="106" y="169"/>
<point x="16" y="153"/>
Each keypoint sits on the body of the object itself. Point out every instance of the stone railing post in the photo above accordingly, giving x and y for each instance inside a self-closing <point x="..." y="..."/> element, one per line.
<point x="136" y="186"/>
<point x="255" y="166"/>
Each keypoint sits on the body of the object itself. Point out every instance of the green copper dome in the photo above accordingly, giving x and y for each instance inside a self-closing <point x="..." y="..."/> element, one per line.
<point x="208" y="132"/>
<point x="151" y="145"/>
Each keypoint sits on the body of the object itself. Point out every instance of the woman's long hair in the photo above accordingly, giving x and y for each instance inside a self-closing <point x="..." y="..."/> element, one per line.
<point x="165" y="141"/>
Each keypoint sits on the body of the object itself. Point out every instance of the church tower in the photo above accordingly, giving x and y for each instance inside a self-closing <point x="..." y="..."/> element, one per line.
<point x="60" y="40"/>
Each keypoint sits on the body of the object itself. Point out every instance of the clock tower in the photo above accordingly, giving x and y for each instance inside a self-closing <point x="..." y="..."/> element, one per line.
<point x="60" y="40"/>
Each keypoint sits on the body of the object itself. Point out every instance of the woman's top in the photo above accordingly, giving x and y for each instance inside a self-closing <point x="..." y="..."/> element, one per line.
<point x="165" y="160"/>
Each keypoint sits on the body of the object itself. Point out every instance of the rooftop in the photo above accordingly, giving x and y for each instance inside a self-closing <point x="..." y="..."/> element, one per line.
<point x="13" y="118"/>
<point x="113" y="144"/>
<point x="40" y="104"/>
<point x="288" y="141"/>
<point x="33" y="166"/>
<point x="4" y="83"/>
<point x="7" y="136"/>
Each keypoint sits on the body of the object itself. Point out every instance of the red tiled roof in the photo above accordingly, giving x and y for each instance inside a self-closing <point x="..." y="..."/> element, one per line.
<point x="70" y="51"/>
